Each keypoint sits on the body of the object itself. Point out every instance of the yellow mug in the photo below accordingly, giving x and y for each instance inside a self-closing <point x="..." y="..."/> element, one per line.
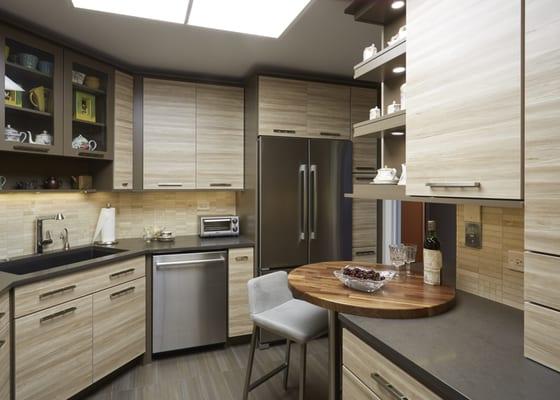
<point x="40" y="98"/>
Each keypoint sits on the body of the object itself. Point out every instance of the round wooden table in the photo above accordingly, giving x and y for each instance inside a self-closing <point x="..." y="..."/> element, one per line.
<point x="403" y="297"/>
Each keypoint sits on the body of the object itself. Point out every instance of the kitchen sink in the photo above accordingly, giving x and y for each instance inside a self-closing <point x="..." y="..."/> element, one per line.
<point x="41" y="262"/>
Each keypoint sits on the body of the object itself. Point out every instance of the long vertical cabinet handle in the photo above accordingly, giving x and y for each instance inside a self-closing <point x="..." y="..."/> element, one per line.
<point x="313" y="178"/>
<point x="302" y="200"/>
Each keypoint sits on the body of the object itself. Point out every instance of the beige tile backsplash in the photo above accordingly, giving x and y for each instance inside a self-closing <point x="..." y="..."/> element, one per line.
<point x="177" y="211"/>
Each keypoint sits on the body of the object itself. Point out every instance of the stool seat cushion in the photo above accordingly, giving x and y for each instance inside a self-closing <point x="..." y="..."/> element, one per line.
<point x="295" y="319"/>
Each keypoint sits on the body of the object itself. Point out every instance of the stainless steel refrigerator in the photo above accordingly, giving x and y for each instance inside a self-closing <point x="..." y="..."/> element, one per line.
<point x="303" y="216"/>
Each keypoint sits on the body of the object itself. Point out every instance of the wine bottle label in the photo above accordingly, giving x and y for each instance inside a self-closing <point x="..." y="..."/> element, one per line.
<point x="432" y="267"/>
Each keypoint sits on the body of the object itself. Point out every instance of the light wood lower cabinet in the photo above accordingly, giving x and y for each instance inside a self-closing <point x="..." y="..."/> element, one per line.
<point x="381" y="376"/>
<point x="354" y="389"/>
<point x="240" y="264"/>
<point x="542" y="279"/>
<point x="542" y="341"/>
<point x="53" y="351"/>
<point x="5" y="367"/>
<point x="119" y="326"/>
<point x="122" y="165"/>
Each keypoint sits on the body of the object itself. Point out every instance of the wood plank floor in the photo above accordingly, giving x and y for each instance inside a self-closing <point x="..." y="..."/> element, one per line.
<point x="218" y="374"/>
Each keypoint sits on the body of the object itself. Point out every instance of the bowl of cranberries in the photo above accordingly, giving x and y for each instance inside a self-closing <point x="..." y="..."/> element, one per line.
<point x="362" y="278"/>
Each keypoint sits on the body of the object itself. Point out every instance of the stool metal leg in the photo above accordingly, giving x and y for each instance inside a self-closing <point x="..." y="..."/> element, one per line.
<point x="250" y="362"/>
<point x="287" y="371"/>
<point x="302" y="367"/>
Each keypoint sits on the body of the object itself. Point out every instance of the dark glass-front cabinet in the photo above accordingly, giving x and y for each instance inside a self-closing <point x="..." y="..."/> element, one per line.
<point x="31" y="112"/>
<point x="88" y="107"/>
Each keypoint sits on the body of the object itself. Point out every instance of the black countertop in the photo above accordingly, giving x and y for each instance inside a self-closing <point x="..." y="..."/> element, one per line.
<point x="474" y="351"/>
<point x="132" y="248"/>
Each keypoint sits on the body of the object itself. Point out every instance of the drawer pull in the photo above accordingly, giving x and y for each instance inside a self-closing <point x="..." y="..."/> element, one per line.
<point x="122" y="293"/>
<point x="330" y="134"/>
<point x="65" y="289"/>
<point x="372" y="169"/>
<point x="220" y="185"/>
<point x="363" y="178"/>
<point x="292" y="131"/>
<point x="170" y="184"/>
<point x="59" y="314"/>
<point x="390" y="388"/>
<point x="2" y="315"/>
<point x="453" y="184"/>
<point x="124" y="184"/>
<point x="2" y="343"/>
<point x="35" y="149"/>
<point x="365" y="253"/>
<point x="242" y="258"/>
<point x="122" y="273"/>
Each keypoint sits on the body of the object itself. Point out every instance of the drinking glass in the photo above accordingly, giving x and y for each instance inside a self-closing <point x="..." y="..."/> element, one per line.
<point x="397" y="254"/>
<point x="410" y="252"/>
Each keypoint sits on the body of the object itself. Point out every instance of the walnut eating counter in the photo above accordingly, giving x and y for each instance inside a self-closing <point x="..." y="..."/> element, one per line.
<point x="403" y="297"/>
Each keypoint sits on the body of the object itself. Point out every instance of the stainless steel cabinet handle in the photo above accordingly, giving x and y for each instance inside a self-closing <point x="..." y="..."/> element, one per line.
<point x="373" y="169"/>
<point x="365" y="253"/>
<point x="122" y="273"/>
<point x="292" y="131"/>
<point x="220" y="185"/>
<point x="313" y="177"/>
<point x="121" y="293"/>
<point x="65" y="289"/>
<point x="453" y="184"/>
<point x="2" y="343"/>
<point x="35" y="149"/>
<point x="330" y="134"/>
<point x="169" y="184"/>
<point x="59" y="314"/>
<point x="390" y="388"/>
<point x="175" y="264"/>
<point x="2" y="315"/>
<point x="242" y="258"/>
<point x="125" y="184"/>
<point x="363" y="178"/>
<point x="303" y="200"/>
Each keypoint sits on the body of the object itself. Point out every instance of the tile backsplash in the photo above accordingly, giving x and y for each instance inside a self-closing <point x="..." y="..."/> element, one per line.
<point x="177" y="211"/>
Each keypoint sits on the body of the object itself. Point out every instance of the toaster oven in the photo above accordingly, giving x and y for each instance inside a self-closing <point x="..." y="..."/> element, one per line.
<point x="216" y="226"/>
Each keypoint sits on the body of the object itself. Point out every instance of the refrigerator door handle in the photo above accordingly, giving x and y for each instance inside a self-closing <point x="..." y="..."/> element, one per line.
<point x="303" y="200"/>
<point x="315" y="202"/>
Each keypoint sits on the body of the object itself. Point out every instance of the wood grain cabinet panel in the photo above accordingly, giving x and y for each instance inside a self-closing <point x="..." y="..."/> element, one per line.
<point x="122" y="165"/>
<point x="542" y="280"/>
<point x="542" y="341"/>
<point x="328" y="110"/>
<point x="364" y="223"/>
<point x="5" y="367"/>
<point x="542" y="119"/>
<point x="240" y="264"/>
<point x="282" y="107"/>
<point x="464" y="98"/>
<point x="53" y="351"/>
<point x="364" y="156"/>
<point x="219" y="137"/>
<point x="169" y="134"/>
<point x="119" y="326"/>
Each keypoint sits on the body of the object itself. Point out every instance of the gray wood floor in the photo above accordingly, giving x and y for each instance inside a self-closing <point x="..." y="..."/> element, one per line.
<point x="218" y="375"/>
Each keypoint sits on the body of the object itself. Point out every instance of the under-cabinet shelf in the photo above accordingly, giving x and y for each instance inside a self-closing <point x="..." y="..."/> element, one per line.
<point x="386" y="124"/>
<point x="79" y="121"/>
<point x="28" y="110"/>
<point x="380" y="66"/>
<point x="21" y="70"/>
<point x="87" y="89"/>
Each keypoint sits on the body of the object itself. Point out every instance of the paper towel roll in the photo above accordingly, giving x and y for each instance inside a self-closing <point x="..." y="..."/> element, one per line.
<point x="105" y="230"/>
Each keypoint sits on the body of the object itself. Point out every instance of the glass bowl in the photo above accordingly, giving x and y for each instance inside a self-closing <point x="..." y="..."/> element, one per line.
<point x="364" y="285"/>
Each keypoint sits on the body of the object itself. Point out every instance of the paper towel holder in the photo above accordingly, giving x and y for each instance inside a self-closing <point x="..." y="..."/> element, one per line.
<point x="108" y="243"/>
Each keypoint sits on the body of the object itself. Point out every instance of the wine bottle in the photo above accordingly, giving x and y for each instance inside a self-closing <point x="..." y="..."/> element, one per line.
<point x="432" y="256"/>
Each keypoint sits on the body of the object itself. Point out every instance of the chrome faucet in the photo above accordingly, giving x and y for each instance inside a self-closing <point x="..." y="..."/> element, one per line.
<point x="45" y="241"/>
<point x="65" y="240"/>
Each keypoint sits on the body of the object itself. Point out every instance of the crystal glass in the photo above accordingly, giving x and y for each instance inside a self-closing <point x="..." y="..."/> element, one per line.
<point x="410" y="252"/>
<point x="397" y="254"/>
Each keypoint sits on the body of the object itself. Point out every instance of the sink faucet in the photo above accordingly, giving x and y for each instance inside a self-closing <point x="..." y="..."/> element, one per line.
<point x="64" y="237"/>
<point x="41" y="242"/>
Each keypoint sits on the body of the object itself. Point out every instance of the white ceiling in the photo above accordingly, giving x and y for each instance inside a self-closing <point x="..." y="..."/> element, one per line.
<point x="323" y="40"/>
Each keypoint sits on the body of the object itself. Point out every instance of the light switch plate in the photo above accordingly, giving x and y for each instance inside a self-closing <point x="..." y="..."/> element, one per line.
<point x="473" y="235"/>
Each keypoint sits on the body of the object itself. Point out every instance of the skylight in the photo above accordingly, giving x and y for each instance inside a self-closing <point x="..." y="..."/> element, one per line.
<point x="161" y="10"/>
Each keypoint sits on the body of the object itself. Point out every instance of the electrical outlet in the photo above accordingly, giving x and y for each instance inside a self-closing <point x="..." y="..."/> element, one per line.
<point x="203" y="205"/>
<point x="516" y="260"/>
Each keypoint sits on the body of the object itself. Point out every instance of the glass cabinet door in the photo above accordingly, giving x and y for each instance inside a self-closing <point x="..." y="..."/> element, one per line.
<point x="32" y="109"/>
<point x="89" y="107"/>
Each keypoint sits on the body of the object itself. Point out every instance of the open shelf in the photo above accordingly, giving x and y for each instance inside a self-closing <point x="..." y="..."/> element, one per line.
<point x="374" y="11"/>
<point x="385" y="124"/>
<point x="380" y="66"/>
<point x="10" y="66"/>
<point x="28" y="110"/>
<point x="84" y="88"/>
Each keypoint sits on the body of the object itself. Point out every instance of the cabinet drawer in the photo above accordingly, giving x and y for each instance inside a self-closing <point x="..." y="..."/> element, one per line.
<point x="53" y="351"/>
<point x="328" y="110"/>
<point x="379" y="374"/>
<point x="4" y="310"/>
<point x="119" y="326"/>
<point x="40" y="295"/>
<point x="240" y="271"/>
<point x="542" y="335"/>
<point x="542" y="279"/>
<point x="354" y="389"/>
<point x="4" y="363"/>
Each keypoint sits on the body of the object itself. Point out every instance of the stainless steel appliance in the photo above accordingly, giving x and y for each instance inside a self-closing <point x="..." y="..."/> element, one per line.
<point x="214" y="226"/>
<point x="189" y="300"/>
<point x="303" y="216"/>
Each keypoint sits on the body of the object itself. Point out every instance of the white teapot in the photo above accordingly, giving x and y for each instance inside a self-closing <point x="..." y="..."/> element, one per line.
<point x="12" y="135"/>
<point x="44" y="138"/>
<point x="82" y="143"/>
<point x="386" y="175"/>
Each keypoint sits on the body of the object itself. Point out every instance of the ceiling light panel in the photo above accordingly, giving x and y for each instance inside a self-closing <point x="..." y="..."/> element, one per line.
<point x="161" y="10"/>
<point x="268" y="18"/>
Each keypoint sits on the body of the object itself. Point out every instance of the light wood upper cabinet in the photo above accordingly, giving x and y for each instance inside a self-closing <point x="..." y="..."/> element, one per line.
<point x="364" y="148"/>
<point x="169" y="134"/>
<point x="219" y="137"/>
<point x="122" y="165"/>
<point x="464" y="98"/>
<point x="542" y="119"/>
<point x="282" y="107"/>
<point x="328" y="110"/>
<point x="240" y="264"/>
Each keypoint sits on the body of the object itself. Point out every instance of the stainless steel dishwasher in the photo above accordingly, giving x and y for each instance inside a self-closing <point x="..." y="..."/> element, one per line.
<point x="189" y="300"/>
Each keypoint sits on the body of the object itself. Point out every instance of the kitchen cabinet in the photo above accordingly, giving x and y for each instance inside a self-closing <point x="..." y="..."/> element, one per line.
<point x="364" y="223"/>
<point x="123" y="163"/>
<point x="328" y="110"/>
<point x="169" y="134"/>
<point x="119" y="326"/>
<point x="464" y="114"/>
<point x="37" y="67"/>
<point x="88" y="107"/>
<point x="53" y="351"/>
<point x="364" y="148"/>
<point x="542" y="341"/>
<point x="5" y="367"/>
<point x="219" y="137"/>
<point x="240" y="270"/>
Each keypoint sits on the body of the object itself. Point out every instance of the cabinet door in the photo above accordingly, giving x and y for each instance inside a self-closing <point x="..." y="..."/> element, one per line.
<point x="542" y="119"/>
<point x="119" y="326"/>
<point x="122" y="165"/>
<point x="282" y="107"/>
<point x="328" y="110"/>
<point x="364" y="223"/>
<point x="169" y="135"/>
<point x="240" y="266"/>
<point x="364" y="148"/>
<point x="53" y="351"/>
<point x="463" y="116"/>
<point x="219" y="137"/>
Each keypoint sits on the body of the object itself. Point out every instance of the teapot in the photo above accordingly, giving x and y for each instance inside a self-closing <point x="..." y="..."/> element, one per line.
<point x="386" y="175"/>
<point x="82" y="143"/>
<point x="12" y="135"/>
<point x="44" y="138"/>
